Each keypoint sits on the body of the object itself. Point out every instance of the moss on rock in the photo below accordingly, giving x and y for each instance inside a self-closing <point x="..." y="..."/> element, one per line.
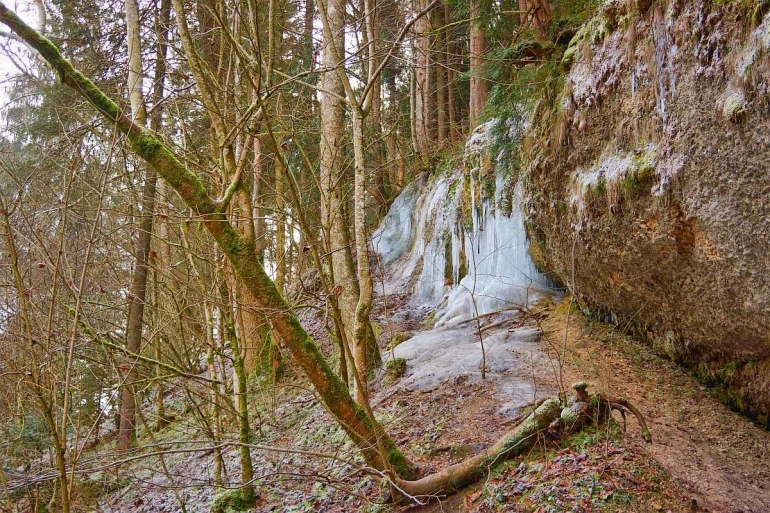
<point x="230" y="501"/>
<point x="396" y="367"/>
<point x="733" y="104"/>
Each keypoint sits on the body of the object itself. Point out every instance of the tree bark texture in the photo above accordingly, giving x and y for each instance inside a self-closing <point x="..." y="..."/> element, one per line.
<point x="334" y="184"/>
<point x="138" y="287"/>
<point x="535" y="14"/>
<point x="479" y="46"/>
<point x="424" y="104"/>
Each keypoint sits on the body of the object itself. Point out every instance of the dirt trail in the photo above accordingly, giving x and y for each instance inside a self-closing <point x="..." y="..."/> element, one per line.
<point x="716" y="455"/>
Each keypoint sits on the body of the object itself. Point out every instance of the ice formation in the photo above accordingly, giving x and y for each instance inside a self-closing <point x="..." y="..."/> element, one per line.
<point x="465" y="268"/>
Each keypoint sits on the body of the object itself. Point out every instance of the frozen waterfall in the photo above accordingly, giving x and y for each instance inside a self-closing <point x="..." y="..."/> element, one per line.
<point x="463" y="265"/>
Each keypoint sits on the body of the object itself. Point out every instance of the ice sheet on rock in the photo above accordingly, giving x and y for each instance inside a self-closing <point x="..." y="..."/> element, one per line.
<point x="429" y="243"/>
<point x="431" y="361"/>
<point x="413" y="227"/>
<point x="395" y="234"/>
<point x="499" y="273"/>
<point x="513" y="360"/>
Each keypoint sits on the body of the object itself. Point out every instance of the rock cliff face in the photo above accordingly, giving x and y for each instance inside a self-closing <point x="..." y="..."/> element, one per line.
<point x="648" y="183"/>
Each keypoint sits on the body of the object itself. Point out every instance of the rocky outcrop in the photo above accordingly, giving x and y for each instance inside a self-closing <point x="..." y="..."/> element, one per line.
<point x="648" y="183"/>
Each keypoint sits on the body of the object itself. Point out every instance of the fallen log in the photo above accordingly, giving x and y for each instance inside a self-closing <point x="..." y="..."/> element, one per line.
<point x="557" y="415"/>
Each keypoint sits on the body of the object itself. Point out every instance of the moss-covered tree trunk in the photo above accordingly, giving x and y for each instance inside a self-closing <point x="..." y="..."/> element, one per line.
<point x="240" y="391"/>
<point x="364" y="307"/>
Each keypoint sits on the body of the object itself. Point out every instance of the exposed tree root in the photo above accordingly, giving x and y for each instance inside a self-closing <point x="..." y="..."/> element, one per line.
<point x="555" y="415"/>
<point x="615" y="402"/>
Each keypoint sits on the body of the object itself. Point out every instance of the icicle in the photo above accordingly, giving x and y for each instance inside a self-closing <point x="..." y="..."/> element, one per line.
<point x="456" y="249"/>
<point x="499" y="270"/>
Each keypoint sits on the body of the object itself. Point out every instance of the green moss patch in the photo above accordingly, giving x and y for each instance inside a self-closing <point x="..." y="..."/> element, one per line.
<point x="399" y="337"/>
<point x="230" y="501"/>
<point x="396" y="367"/>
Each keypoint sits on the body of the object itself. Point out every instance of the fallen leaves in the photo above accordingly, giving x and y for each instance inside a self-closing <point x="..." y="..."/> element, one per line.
<point x="599" y="472"/>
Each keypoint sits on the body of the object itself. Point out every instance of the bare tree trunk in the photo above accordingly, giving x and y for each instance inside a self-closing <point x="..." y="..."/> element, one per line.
<point x="368" y="103"/>
<point x="413" y="107"/>
<point x="333" y="183"/>
<point x="281" y="262"/>
<point x="252" y="324"/>
<point x="391" y="132"/>
<point x="536" y="14"/>
<point x="307" y="33"/>
<point x="442" y="128"/>
<point x="451" y="62"/>
<point x="138" y="288"/>
<point x="240" y="389"/>
<point x="423" y="83"/>
<point x="479" y="45"/>
<point x="257" y="200"/>
<point x="379" y="162"/>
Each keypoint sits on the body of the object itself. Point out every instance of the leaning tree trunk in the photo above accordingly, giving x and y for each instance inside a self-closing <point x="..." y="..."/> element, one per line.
<point x="557" y="415"/>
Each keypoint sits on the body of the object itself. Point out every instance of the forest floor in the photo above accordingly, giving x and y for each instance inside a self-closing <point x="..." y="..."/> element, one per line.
<point x="704" y="457"/>
<point x="717" y="457"/>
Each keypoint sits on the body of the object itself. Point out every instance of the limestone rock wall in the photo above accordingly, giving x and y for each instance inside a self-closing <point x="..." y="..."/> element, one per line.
<point x="648" y="183"/>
